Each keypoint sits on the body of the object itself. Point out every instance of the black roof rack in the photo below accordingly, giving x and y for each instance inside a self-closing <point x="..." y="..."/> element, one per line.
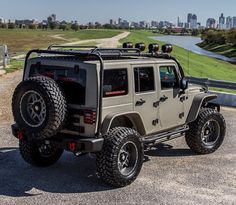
<point x="72" y="46"/>
<point x="91" y="49"/>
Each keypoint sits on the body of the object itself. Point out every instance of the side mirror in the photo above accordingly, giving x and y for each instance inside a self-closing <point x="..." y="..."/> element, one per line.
<point x="184" y="84"/>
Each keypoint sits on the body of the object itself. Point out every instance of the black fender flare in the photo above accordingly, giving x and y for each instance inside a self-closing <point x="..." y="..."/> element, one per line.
<point x="197" y="103"/>
<point x="134" y="117"/>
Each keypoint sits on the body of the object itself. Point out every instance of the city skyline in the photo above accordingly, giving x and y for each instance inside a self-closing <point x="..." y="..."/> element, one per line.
<point x="191" y="22"/>
<point x="103" y="10"/>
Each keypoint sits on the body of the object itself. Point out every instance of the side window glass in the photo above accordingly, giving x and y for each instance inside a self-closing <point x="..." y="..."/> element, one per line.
<point x="168" y="77"/>
<point x="144" y="79"/>
<point x="115" y="82"/>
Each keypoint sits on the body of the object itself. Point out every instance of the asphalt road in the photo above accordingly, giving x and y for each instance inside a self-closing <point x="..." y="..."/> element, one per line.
<point x="172" y="174"/>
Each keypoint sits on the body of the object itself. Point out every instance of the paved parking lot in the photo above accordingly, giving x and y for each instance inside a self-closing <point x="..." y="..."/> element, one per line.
<point x="172" y="174"/>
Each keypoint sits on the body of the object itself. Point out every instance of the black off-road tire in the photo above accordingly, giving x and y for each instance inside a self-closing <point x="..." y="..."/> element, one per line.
<point x="29" y="151"/>
<point x="193" y="136"/>
<point x="54" y="101"/>
<point x="107" y="159"/>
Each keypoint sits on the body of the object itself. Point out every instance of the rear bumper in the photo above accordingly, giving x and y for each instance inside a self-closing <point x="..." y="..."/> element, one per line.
<point x="15" y="130"/>
<point x="67" y="142"/>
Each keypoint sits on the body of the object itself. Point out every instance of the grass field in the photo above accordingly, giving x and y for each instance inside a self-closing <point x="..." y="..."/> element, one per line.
<point x="193" y="64"/>
<point x="225" y="49"/>
<point x="197" y="65"/>
<point x="15" y="65"/>
<point x="21" y="40"/>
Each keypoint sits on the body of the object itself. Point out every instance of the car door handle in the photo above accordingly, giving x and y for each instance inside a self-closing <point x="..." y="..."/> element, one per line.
<point x="163" y="99"/>
<point x="140" y="102"/>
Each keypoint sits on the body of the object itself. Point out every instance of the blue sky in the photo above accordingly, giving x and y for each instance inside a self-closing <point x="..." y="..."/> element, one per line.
<point x="102" y="10"/>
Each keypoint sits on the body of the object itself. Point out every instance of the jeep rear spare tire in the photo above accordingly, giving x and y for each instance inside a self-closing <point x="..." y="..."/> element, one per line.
<point x="39" y="107"/>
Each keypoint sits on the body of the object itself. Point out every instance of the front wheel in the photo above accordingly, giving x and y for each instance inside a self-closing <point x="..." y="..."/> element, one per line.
<point x="121" y="158"/>
<point x="39" y="154"/>
<point x="207" y="132"/>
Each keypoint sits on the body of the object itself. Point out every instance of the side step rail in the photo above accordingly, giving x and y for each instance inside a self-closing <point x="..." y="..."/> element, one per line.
<point x="166" y="136"/>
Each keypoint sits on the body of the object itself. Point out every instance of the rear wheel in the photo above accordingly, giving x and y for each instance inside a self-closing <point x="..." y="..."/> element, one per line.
<point x="207" y="132"/>
<point x="121" y="158"/>
<point x="39" y="154"/>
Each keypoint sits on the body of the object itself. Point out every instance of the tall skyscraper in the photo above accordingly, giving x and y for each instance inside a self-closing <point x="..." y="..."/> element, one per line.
<point x="189" y="17"/>
<point x="54" y="17"/>
<point x="193" y="22"/>
<point x="120" y="21"/>
<point x="229" y="22"/>
<point x="222" y="19"/>
<point x="234" y="22"/>
<point x="112" y="22"/>
<point x="211" y="23"/>
<point x="222" y="24"/>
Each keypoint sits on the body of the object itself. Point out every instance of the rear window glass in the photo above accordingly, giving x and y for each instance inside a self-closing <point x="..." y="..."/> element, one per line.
<point x="71" y="80"/>
<point x="115" y="82"/>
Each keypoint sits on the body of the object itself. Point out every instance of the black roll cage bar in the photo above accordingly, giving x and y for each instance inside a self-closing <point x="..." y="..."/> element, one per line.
<point x="99" y="54"/>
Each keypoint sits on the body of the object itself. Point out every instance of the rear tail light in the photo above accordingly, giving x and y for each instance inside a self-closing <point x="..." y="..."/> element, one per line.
<point x="20" y="135"/>
<point x="90" y="116"/>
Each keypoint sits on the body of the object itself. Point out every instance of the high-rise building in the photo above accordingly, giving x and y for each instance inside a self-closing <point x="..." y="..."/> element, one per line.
<point x="211" y="23"/>
<point x="179" y="23"/>
<point x="222" y="24"/>
<point x="120" y="21"/>
<point x="193" y="22"/>
<point x="234" y="22"/>
<point x="125" y="24"/>
<point x="2" y="20"/>
<point x="112" y="22"/>
<point x="189" y="17"/>
<point x="135" y="25"/>
<point x="52" y="18"/>
<point x="229" y="22"/>
<point x="187" y="25"/>
<point x="222" y="19"/>
<point x="143" y="24"/>
<point x="154" y="24"/>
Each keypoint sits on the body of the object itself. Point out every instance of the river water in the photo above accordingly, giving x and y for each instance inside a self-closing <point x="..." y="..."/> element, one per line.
<point x="189" y="43"/>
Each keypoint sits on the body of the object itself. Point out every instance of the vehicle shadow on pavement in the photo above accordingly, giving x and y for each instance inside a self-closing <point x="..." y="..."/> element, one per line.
<point x="69" y="175"/>
<point x="166" y="150"/>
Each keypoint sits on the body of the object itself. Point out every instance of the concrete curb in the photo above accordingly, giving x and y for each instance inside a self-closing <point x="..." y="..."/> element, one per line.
<point x="225" y="99"/>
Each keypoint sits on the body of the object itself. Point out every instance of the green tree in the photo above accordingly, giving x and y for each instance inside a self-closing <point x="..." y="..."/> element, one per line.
<point x="231" y="36"/>
<point x="167" y="31"/>
<point x="52" y="25"/>
<point x="75" y="26"/>
<point x="195" y="32"/>
<point x="11" y="25"/>
<point x="63" y="27"/>
<point x="32" y="26"/>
